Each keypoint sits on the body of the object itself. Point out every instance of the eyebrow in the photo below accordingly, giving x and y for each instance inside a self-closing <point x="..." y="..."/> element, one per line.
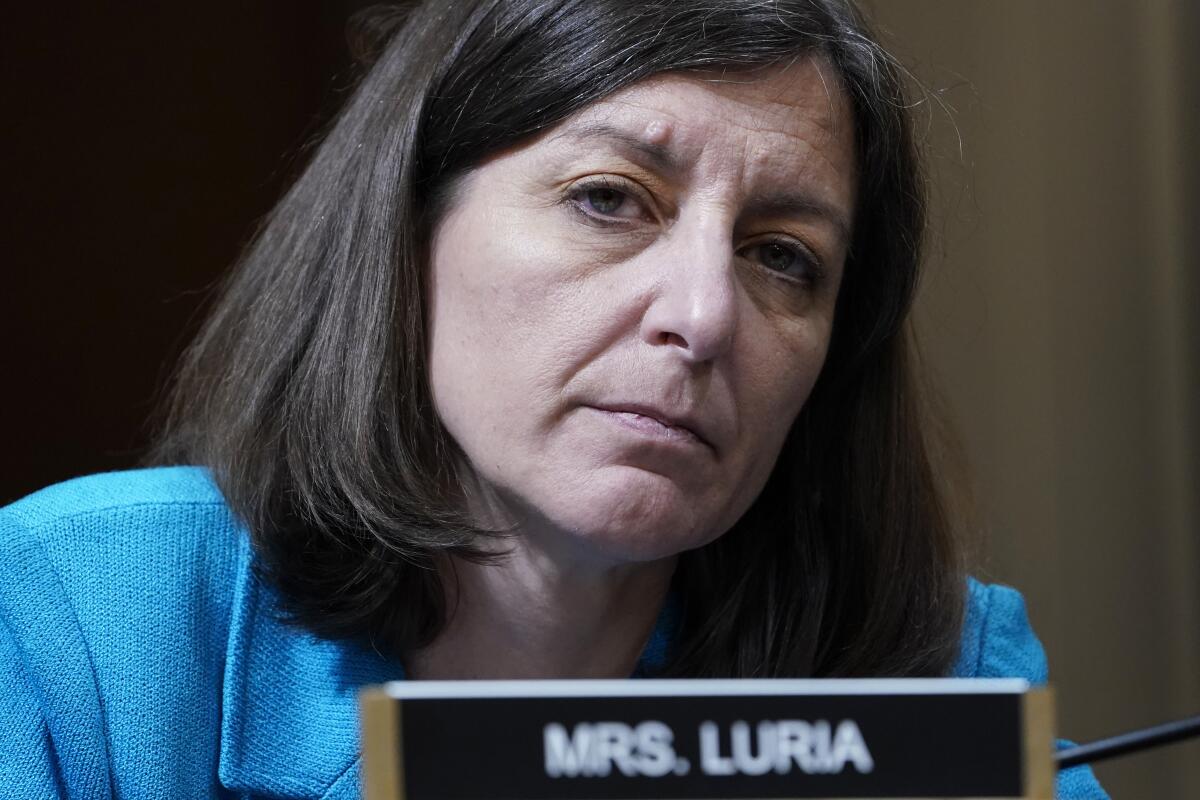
<point x="793" y="203"/>
<point x="659" y="157"/>
<point x="799" y="203"/>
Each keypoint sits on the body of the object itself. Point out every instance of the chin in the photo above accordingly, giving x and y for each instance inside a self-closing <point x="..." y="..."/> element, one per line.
<point x="635" y="516"/>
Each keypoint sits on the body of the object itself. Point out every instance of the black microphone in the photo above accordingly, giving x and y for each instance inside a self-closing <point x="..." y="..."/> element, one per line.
<point x="1132" y="742"/>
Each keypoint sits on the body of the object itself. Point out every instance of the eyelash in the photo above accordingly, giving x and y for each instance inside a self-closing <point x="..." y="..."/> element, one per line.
<point x="579" y="192"/>
<point x="576" y="196"/>
<point x="812" y="270"/>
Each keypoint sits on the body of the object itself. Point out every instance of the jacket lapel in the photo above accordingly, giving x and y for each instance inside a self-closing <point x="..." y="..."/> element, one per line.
<point x="289" y="725"/>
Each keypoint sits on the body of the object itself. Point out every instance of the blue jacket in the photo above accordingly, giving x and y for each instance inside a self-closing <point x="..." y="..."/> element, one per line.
<point x="140" y="659"/>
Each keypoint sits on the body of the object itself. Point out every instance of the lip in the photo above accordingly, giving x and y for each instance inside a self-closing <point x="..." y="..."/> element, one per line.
<point x="680" y="427"/>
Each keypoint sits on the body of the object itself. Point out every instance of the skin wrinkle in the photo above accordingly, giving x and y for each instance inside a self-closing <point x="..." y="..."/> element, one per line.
<point x="540" y="318"/>
<point x="829" y="126"/>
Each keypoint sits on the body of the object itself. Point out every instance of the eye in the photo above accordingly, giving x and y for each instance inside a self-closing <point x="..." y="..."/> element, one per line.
<point x="605" y="200"/>
<point x="790" y="260"/>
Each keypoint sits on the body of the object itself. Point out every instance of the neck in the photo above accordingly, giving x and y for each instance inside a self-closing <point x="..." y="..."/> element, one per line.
<point x="537" y="615"/>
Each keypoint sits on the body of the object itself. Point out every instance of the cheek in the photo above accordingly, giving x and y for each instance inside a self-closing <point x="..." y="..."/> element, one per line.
<point x="783" y="361"/>
<point x="782" y="350"/>
<point x="782" y="365"/>
<point x="513" y="313"/>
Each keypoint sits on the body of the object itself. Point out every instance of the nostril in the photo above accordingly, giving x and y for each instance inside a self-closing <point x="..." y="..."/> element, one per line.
<point x="667" y="337"/>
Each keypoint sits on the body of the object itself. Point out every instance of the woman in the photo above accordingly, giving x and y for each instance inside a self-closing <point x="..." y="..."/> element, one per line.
<point x="578" y="350"/>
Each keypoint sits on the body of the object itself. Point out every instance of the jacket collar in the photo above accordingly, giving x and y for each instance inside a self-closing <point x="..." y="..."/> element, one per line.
<point x="289" y="722"/>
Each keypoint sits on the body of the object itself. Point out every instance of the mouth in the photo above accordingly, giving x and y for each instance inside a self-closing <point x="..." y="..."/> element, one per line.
<point x="656" y="423"/>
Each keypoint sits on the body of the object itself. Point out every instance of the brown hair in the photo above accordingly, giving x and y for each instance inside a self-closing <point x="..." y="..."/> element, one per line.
<point x="306" y="393"/>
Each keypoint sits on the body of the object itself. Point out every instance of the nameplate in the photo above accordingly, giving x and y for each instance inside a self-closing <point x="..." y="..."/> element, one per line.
<point x="707" y="739"/>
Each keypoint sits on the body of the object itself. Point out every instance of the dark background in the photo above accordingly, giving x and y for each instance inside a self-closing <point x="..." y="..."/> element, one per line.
<point x="140" y="149"/>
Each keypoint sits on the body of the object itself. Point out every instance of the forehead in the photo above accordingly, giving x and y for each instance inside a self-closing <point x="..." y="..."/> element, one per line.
<point x="805" y="92"/>
<point x="770" y="128"/>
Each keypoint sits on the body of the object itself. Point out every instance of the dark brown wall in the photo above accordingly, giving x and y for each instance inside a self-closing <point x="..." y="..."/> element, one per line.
<point x="139" y="149"/>
<point x="1060" y="314"/>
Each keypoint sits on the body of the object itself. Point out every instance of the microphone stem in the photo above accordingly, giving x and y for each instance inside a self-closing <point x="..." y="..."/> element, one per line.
<point x="1128" y="742"/>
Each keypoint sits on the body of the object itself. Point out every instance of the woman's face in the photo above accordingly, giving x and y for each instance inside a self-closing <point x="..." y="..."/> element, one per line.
<point x="628" y="313"/>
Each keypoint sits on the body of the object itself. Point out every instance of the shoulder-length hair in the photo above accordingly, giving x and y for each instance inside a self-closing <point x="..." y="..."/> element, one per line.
<point x="307" y="395"/>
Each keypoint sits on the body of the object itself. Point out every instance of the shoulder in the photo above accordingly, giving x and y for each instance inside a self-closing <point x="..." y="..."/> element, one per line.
<point x="999" y="642"/>
<point x="123" y="538"/>
<point x="116" y="609"/>
<point x="113" y="492"/>
<point x="121" y="548"/>
<point x="997" y="639"/>
<point x="124" y="515"/>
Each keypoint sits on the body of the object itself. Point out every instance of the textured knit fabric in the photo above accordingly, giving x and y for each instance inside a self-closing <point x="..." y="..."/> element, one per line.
<point x="139" y="657"/>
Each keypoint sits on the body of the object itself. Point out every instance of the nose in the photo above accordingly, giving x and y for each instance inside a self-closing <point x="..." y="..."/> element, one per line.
<point x="695" y="306"/>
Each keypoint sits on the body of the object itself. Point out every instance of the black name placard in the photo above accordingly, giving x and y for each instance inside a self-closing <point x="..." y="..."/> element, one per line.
<point x="667" y="739"/>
